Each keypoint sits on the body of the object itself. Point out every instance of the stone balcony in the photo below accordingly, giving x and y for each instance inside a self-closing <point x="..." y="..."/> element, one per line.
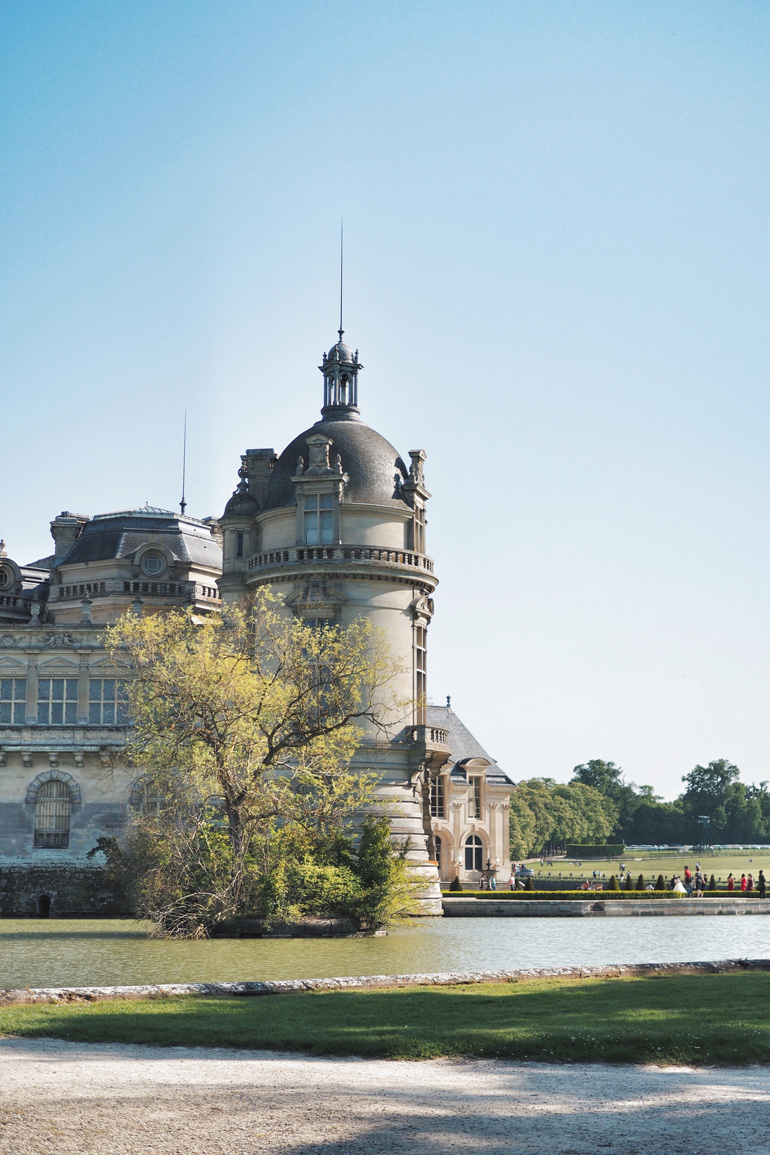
<point x="348" y="557"/>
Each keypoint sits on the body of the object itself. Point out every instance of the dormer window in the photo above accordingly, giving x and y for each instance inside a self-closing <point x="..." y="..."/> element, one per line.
<point x="4" y="578"/>
<point x="153" y="564"/>
<point x="319" y="519"/>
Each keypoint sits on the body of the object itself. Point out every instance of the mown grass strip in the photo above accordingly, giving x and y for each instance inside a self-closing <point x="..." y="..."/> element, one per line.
<point x="692" y="1019"/>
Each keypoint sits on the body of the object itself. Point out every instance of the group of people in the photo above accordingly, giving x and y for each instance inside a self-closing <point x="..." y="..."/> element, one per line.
<point x="696" y="883"/>
<point x="747" y="884"/>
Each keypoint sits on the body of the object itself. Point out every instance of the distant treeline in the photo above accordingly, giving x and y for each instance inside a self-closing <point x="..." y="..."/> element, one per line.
<point x="597" y="805"/>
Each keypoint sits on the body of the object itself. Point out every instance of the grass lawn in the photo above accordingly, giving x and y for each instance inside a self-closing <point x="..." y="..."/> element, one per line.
<point x="693" y="1019"/>
<point x="651" y="865"/>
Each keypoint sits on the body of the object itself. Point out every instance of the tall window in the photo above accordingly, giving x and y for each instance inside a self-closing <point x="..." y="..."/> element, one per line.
<point x="474" y="853"/>
<point x="239" y="543"/>
<point x="421" y="671"/>
<point x="57" y="702"/>
<point x="437" y="840"/>
<point x="319" y="519"/>
<point x="13" y="698"/>
<point x="52" y="816"/>
<point x="107" y="702"/>
<point x="474" y="800"/>
<point x="437" y="806"/>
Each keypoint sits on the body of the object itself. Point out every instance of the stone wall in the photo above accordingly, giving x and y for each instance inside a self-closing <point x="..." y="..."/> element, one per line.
<point x="59" y="890"/>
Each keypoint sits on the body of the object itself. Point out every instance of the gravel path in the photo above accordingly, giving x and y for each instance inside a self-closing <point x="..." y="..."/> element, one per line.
<point x="115" y="1100"/>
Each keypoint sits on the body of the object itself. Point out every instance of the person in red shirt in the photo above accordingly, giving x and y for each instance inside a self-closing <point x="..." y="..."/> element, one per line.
<point x="744" y="884"/>
<point x="730" y="882"/>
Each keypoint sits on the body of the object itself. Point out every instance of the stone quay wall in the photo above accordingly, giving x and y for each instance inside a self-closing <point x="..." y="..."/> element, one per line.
<point x="371" y="982"/>
<point x="598" y="907"/>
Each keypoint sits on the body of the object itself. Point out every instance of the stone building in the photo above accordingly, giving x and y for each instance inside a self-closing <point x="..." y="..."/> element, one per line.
<point x="469" y="806"/>
<point x="336" y="525"/>
<point x="62" y="711"/>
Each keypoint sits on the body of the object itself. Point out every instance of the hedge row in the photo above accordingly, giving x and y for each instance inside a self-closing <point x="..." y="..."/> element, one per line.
<point x="585" y="895"/>
<point x="605" y="850"/>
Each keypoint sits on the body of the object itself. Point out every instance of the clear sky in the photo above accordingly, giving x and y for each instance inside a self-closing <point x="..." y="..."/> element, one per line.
<point x="556" y="270"/>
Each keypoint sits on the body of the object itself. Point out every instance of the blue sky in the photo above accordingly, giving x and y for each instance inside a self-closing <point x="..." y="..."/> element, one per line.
<point x="556" y="273"/>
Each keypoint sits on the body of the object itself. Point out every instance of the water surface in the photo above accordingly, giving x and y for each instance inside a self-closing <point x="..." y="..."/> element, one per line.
<point x="107" y="952"/>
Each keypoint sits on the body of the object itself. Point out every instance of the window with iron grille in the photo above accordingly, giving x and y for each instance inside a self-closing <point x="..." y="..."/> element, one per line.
<point x="107" y="702"/>
<point x="52" y="816"/>
<point x="319" y="519"/>
<point x="437" y="795"/>
<point x="13" y="701"/>
<point x="57" y="702"/>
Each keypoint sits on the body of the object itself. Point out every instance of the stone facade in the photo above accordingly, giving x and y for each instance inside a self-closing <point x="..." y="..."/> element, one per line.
<point x="62" y="709"/>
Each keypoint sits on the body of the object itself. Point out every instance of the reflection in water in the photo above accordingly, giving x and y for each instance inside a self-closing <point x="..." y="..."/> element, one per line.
<point x="116" y="951"/>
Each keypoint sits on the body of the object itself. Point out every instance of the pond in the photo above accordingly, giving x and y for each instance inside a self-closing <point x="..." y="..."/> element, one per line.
<point x="107" y="952"/>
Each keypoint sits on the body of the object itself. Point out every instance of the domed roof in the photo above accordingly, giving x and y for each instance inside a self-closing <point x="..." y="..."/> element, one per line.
<point x="242" y="504"/>
<point x="371" y="463"/>
<point x="342" y="353"/>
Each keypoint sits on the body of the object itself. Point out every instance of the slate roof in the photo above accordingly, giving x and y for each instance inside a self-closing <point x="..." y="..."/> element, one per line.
<point x="116" y="535"/>
<point x="463" y="746"/>
<point x="369" y="460"/>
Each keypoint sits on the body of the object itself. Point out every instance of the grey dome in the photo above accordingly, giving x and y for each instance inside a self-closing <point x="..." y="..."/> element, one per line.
<point x="242" y="505"/>
<point x="342" y="353"/>
<point x="370" y="462"/>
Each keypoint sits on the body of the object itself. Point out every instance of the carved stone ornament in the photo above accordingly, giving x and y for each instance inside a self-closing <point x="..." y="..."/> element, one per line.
<point x="8" y="640"/>
<point x="456" y="805"/>
<point x="59" y="641"/>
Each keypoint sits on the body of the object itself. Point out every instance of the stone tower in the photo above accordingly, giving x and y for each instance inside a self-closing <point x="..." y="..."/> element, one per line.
<point x="336" y="525"/>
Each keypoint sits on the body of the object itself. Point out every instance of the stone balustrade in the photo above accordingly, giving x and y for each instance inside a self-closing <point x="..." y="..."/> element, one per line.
<point x="355" y="555"/>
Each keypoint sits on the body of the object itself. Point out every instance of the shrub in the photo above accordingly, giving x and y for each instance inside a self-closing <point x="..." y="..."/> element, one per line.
<point x="712" y="883"/>
<point x="640" y="883"/>
<point x="455" y="884"/>
<point x="529" y="884"/>
<point x="613" y="883"/>
<point x="661" y="883"/>
<point x="629" y="884"/>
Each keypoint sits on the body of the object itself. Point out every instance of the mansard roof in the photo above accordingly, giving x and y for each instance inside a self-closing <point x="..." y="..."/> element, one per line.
<point x="118" y="535"/>
<point x="464" y="747"/>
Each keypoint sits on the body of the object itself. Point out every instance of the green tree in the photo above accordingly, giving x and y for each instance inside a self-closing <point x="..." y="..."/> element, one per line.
<point x="244" y="726"/>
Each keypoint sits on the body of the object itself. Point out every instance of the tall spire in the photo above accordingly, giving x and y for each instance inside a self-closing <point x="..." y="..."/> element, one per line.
<point x="341" y="330"/>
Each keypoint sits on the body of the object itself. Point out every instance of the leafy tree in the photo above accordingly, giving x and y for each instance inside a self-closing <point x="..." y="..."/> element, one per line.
<point x="244" y="726"/>
<point x="607" y="778"/>
<point x="603" y="776"/>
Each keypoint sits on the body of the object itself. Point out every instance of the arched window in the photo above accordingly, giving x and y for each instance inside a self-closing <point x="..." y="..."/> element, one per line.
<point x="52" y="816"/>
<point x="474" y="853"/>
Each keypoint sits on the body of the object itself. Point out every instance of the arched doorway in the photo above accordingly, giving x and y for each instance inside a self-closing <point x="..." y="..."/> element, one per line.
<point x="43" y="905"/>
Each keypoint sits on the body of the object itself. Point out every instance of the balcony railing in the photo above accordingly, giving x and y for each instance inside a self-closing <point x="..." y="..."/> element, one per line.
<point x="352" y="554"/>
<point x="143" y="588"/>
<point x="430" y="735"/>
